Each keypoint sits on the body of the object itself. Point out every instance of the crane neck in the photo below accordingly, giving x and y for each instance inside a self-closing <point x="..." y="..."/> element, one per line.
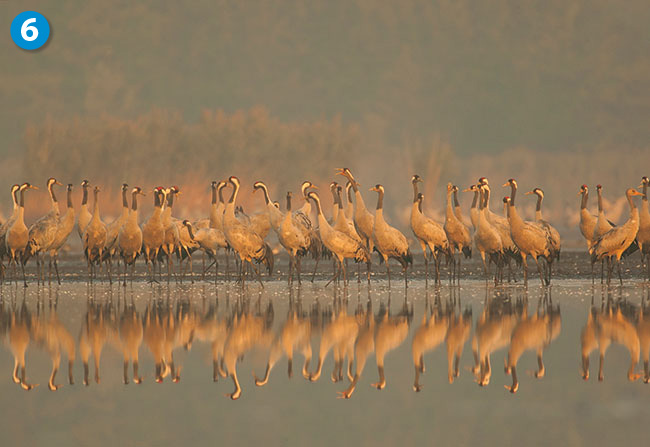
<point x="233" y="196"/>
<point x="339" y="200"/>
<point x="417" y="205"/>
<point x="513" y="193"/>
<point x="583" y="202"/>
<point x="214" y="195"/>
<point x="513" y="216"/>
<point x="415" y="192"/>
<point x="22" y="199"/>
<point x="538" y="208"/>
<point x="84" y="199"/>
<point x="70" y="199"/>
<point x="190" y="231"/>
<point x="125" y="202"/>
<point x="349" y="190"/>
<point x="318" y="208"/>
<point x="456" y="204"/>
<point x="267" y="199"/>
<point x="450" y="210"/>
<point x="380" y="200"/>
<point x="288" y="203"/>
<point x="486" y="205"/>
<point x="645" y="192"/>
<point x="632" y="204"/>
<point x="52" y="195"/>
<point x="134" y="201"/>
<point x="475" y="199"/>
<point x="355" y="186"/>
<point x="96" y="204"/>
<point x="600" y="200"/>
<point x="170" y="200"/>
<point x="14" y="196"/>
<point x="221" y="194"/>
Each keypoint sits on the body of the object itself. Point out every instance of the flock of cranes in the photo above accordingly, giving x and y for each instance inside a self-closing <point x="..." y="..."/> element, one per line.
<point x="353" y="232"/>
<point x="164" y="327"/>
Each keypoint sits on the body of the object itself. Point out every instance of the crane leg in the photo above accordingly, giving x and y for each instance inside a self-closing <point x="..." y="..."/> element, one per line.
<point x="313" y="275"/>
<point x="368" y="271"/>
<point x="602" y="268"/>
<point x="387" y="270"/>
<point x="525" y="262"/>
<point x="22" y="266"/>
<point x="336" y="274"/>
<point x="298" y="270"/>
<point x="56" y="268"/>
<point x="257" y="272"/>
<point x="539" y="269"/>
<point x="290" y="276"/>
<point x="620" y="278"/>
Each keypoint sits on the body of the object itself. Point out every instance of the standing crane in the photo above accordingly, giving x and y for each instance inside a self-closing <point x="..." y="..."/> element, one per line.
<point x="389" y="241"/>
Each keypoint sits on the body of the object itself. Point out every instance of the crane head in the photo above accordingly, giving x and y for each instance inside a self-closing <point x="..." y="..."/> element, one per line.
<point x="125" y="187"/>
<point x="510" y="182"/>
<point x="482" y="181"/>
<point x="15" y="188"/>
<point x="472" y="188"/>
<point x="85" y="183"/>
<point x="175" y="190"/>
<point x="305" y="186"/>
<point x="377" y="188"/>
<point x="599" y="187"/>
<point x="234" y="180"/>
<point x="333" y="186"/>
<point x="416" y="179"/>
<point x="644" y="181"/>
<point x="69" y="186"/>
<point x="52" y="181"/>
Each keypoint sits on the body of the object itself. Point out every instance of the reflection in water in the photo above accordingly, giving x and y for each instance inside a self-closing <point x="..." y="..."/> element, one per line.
<point x="353" y="333"/>
<point x="619" y="322"/>
<point x="493" y="332"/>
<point x="49" y="333"/>
<point x="534" y="332"/>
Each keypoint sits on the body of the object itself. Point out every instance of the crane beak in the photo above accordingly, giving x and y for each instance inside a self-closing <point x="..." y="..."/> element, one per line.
<point x="529" y="192"/>
<point x="314" y="186"/>
<point x="34" y="187"/>
<point x="467" y="190"/>
<point x="506" y="184"/>
<point x="636" y="193"/>
<point x="61" y="184"/>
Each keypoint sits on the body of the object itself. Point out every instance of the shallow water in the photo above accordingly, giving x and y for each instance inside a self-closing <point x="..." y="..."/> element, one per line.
<point x="247" y="327"/>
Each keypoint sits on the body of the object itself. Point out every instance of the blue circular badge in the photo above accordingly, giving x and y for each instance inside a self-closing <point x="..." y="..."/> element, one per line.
<point x="30" y="30"/>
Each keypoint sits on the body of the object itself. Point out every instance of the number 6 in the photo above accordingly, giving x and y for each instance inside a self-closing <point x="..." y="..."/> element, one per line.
<point x="25" y="28"/>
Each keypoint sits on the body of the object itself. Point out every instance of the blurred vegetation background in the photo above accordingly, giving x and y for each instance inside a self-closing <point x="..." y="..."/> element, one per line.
<point x="553" y="93"/>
